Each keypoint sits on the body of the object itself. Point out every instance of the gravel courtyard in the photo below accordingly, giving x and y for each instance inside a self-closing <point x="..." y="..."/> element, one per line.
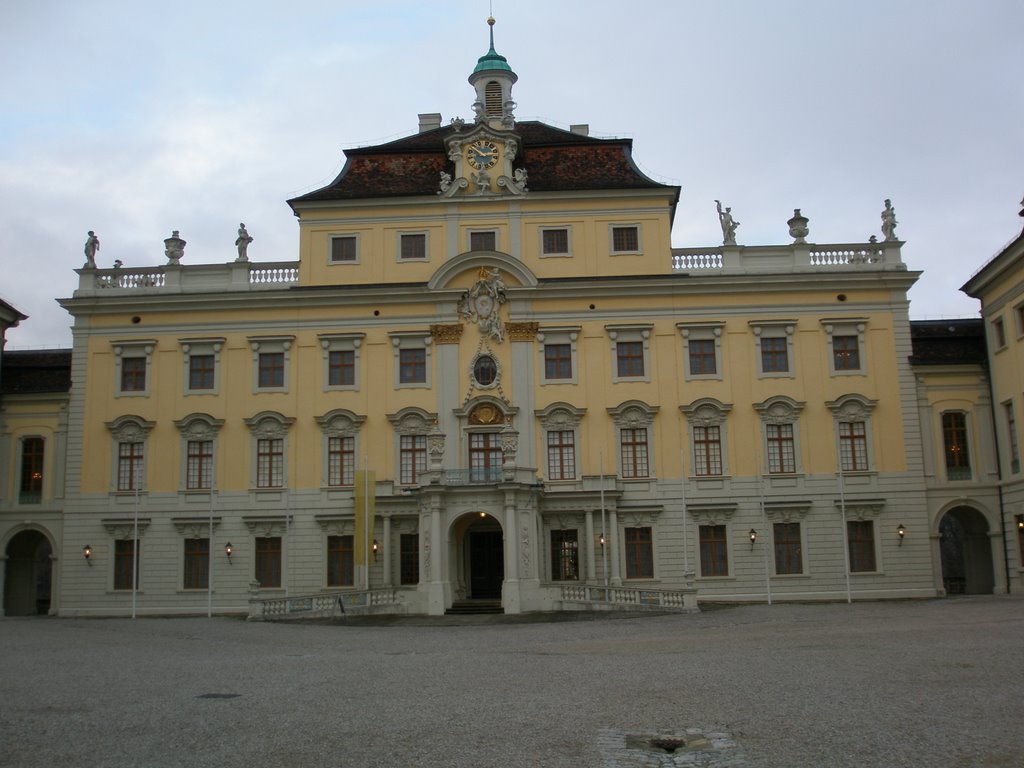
<point x="931" y="683"/>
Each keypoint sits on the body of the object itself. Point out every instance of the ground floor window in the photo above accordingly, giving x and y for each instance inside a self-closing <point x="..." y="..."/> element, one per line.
<point x="788" y="550"/>
<point x="340" y="561"/>
<point x="714" y="553"/>
<point x="860" y="537"/>
<point x="124" y="564"/>
<point x="639" y="553"/>
<point x="197" y="564"/>
<point x="565" y="555"/>
<point x="409" y="559"/>
<point x="268" y="561"/>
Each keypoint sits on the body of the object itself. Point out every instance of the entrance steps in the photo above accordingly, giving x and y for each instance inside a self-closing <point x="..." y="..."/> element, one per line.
<point x="474" y="607"/>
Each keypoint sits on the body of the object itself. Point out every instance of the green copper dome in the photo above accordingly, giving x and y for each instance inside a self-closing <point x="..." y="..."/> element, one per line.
<point x="492" y="59"/>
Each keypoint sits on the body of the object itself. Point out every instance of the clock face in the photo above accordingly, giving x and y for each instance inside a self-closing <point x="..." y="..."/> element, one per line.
<point x="482" y="154"/>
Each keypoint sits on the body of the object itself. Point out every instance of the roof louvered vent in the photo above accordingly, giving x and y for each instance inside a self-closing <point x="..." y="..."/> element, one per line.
<point x="492" y="101"/>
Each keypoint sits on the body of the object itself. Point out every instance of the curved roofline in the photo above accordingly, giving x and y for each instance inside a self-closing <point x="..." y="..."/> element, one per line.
<point x="475" y="259"/>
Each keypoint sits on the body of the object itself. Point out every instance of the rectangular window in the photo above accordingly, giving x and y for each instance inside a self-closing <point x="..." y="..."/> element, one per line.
<point x="774" y="355"/>
<point x="270" y="463"/>
<point x="124" y="564"/>
<point x="1011" y="433"/>
<point x="129" y="466"/>
<point x="409" y="559"/>
<point x="271" y="371"/>
<point x="634" y="452"/>
<point x="413" y="458"/>
<point x="483" y="241"/>
<point x="31" y="491"/>
<point x="413" y="247"/>
<point x="954" y="436"/>
<point x="557" y="361"/>
<point x="197" y="564"/>
<point x="200" y="372"/>
<point x="629" y="356"/>
<point x="853" y="446"/>
<point x="343" y="249"/>
<point x="788" y="549"/>
<point x="133" y="374"/>
<point x="268" y="562"/>
<point x="565" y="556"/>
<point x="639" y="553"/>
<point x="199" y="470"/>
<point x="707" y="451"/>
<point x="485" y="457"/>
<point x="561" y="455"/>
<point x="781" y="449"/>
<point x="714" y="555"/>
<point x="860" y="536"/>
<point x="555" y="241"/>
<point x="412" y="366"/>
<point x="341" y="368"/>
<point x="625" y="240"/>
<point x="340" y="561"/>
<point x="1000" y="333"/>
<point x="341" y="461"/>
<point x="846" y="353"/>
<point x="702" y="357"/>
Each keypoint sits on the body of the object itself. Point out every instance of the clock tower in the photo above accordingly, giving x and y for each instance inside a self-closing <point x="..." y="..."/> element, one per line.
<point x="493" y="79"/>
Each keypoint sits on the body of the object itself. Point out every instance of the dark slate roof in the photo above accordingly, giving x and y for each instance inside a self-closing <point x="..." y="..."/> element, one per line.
<point x="948" y="342"/>
<point x="30" y="372"/>
<point x="554" y="159"/>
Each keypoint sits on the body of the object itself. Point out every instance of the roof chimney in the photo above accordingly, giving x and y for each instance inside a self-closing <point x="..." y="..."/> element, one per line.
<point x="429" y="121"/>
<point x="581" y="129"/>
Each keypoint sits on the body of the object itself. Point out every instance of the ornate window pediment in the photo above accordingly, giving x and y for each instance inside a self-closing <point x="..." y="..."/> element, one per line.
<point x="779" y="410"/>
<point x="412" y="421"/>
<point x="633" y="414"/>
<point x="786" y="511"/>
<point x="852" y="407"/>
<point x="199" y="426"/>
<point x="860" y="509"/>
<point x="130" y="429"/>
<point x="340" y="423"/>
<point x="269" y="425"/>
<point x="560" y="416"/>
<point x="711" y="513"/>
<point x="706" y="412"/>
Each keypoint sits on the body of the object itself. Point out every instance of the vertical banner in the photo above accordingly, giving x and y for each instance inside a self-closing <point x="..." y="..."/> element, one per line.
<point x="366" y="508"/>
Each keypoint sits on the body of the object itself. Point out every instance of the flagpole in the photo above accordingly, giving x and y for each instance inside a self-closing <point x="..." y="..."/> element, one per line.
<point x="604" y="529"/>
<point x="764" y="517"/>
<point x="682" y="502"/>
<point x="209" y="564"/>
<point x="842" y="507"/>
<point x="366" y="519"/>
<point x="135" y="548"/>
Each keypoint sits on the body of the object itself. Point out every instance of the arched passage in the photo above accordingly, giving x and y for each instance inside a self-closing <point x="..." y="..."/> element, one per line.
<point x="480" y="556"/>
<point x="28" y="574"/>
<point x="966" y="552"/>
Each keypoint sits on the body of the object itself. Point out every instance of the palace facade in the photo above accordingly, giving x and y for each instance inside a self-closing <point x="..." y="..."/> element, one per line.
<point x="489" y="379"/>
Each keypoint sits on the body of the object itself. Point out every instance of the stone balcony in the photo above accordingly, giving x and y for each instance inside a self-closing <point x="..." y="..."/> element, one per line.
<point x="195" y="278"/>
<point x="796" y="257"/>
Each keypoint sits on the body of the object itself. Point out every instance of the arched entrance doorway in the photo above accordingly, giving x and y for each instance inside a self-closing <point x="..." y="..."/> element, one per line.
<point x="27" y="575"/>
<point x="966" y="553"/>
<point x="482" y="556"/>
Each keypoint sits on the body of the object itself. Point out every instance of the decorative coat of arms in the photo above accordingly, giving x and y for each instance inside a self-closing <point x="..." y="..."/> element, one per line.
<point x="481" y="304"/>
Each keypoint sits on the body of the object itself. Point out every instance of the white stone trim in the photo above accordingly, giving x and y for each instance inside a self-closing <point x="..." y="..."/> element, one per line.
<point x="630" y="332"/>
<point x="559" y="335"/>
<point x="198" y="347"/>
<point x="133" y="348"/>
<point x="854" y="326"/>
<point x="270" y="345"/>
<point x="774" y="329"/>
<point x="412" y="340"/>
<point x="341" y="342"/>
<point x="702" y="331"/>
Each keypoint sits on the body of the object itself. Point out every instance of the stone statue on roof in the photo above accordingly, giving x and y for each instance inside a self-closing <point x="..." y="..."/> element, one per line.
<point x="242" y="241"/>
<point x="728" y="223"/>
<point x="92" y="244"/>
<point x="889" y="221"/>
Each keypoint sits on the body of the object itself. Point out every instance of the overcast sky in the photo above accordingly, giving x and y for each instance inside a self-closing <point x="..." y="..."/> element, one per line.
<point x="136" y="118"/>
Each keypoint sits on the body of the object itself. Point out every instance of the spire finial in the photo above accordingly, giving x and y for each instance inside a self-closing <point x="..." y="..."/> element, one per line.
<point x="490" y="23"/>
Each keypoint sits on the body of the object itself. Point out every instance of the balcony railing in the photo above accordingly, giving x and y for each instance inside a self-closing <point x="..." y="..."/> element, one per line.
<point x="473" y="476"/>
<point x="796" y="257"/>
<point x="234" y="276"/>
<point x="323" y="604"/>
<point x="632" y="598"/>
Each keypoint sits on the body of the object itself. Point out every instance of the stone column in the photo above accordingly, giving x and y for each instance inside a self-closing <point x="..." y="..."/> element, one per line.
<point x="434" y="549"/>
<point x="613" y="548"/>
<point x="589" y="539"/>
<point x="510" y="589"/>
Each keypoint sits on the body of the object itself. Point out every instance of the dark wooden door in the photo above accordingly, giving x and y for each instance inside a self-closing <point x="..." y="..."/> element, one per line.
<point x="486" y="565"/>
